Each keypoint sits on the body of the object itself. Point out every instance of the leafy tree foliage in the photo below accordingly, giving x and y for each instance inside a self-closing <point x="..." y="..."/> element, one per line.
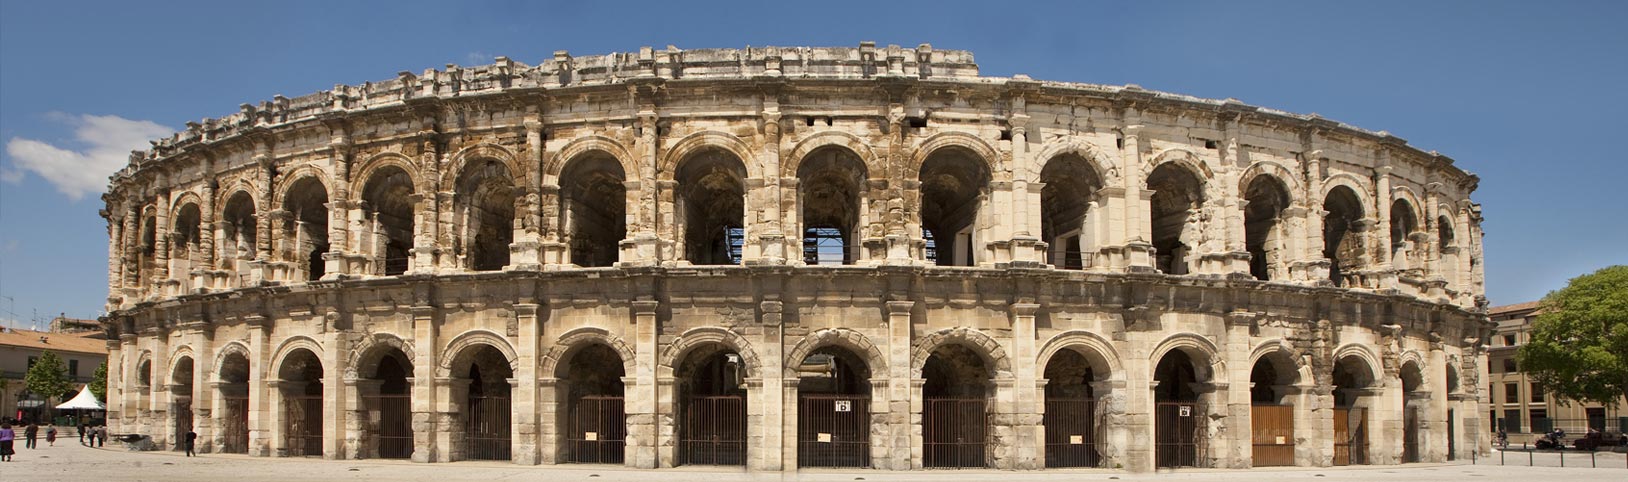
<point x="98" y="383"/>
<point x="48" y="378"/>
<point x="1579" y="345"/>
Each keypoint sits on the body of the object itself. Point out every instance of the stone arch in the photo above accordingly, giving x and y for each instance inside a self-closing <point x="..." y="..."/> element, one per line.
<point x="696" y="337"/>
<point x="1101" y="161"/>
<point x="1096" y="349"/>
<point x="1275" y="346"/>
<point x="846" y="338"/>
<point x="181" y="201"/>
<point x="574" y="340"/>
<point x="360" y="177"/>
<point x="1199" y="348"/>
<point x="371" y="348"/>
<point x="286" y="182"/>
<point x="291" y="345"/>
<point x="942" y="140"/>
<point x="229" y="189"/>
<point x="693" y="143"/>
<point x="1358" y="186"/>
<point x="1360" y="352"/>
<point x="144" y="358"/>
<point x="480" y="152"/>
<point x="1283" y="175"/>
<point x="980" y="343"/>
<point x="1404" y="193"/>
<point x="184" y="351"/>
<point x="229" y="349"/>
<point x="838" y="139"/>
<point x="468" y="340"/>
<point x="1185" y="158"/>
<point x="581" y="146"/>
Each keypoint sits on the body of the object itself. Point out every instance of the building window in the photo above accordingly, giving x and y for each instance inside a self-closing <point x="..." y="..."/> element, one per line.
<point x="1537" y="393"/>
<point x="1512" y="421"/>
<point x="1538" y="418"/>
<point x="31" y="361"/>
<point x="1509" y="365"/>
<point x="1596" y="418"/>
<point x="1509" y="340"/>
<point x="1511" y="393"/>
<point x="73" y="368"/>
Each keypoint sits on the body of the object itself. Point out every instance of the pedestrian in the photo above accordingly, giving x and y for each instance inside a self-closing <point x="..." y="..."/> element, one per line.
<point x="192" y="438"/>
<point x="101" y="435"/>
<point x="51" y="434"/>
<point x="81" y="428"/>
<point x="30" y="435"/>
<point x="7" y="437"/>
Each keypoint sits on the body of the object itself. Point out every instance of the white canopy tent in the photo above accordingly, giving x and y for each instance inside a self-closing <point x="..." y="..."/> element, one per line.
<point x="83" y="401"/>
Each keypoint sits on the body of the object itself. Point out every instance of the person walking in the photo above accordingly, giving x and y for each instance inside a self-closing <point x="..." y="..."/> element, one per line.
<point x="7" y="437"/>
<point x="101" y="435"/>
<point x="30" y="435"/>
<point x="51" y="434"/>
<point x="192" y="438"/>
<point x="81" y="428"/>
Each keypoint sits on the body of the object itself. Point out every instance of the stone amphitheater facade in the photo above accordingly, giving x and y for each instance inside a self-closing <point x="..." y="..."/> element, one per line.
<point x="791" y="257"/>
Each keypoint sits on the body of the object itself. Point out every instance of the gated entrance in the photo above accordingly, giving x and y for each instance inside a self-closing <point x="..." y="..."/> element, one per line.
<point x="1452" y="436"/>
<point x="487" y="410"/>
<point x="1410" y="434"/>
<point x="388" y="430"/>
<point x="487" y="436"/>
<point x="596" y="430"/>
<point x="303" y="427"/>
<point x="1071" y="432"/>
<point x="235" y="425"/>
<point x="833" y="430"/>
<point x="955" y="432"/>
<point x="1272" y="434"/>
<point x="1178" y="439"/>
<point x="1350" y="436"/>
<point x="183" y="420"/>
<point x="394" y="431"/>
<point x="714" y="431"/>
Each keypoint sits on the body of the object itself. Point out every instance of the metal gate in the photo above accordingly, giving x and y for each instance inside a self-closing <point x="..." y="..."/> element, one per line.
<point x="833" y="431"/>
<point x="714" y="431"/>
<point x="1410" y="435"/>
<point x="487" y="432"/>
<point x="1071" y="432"/>
<point x="1272" y="433"/>
<point x="183" y="422"/>
<point x="955" y="432"/>
<point x="235" y="426"/>
<point x="1452" y="436"/>
<point x="1179" y="438"/>
<point x="394" y="430"/>
<point x="302" y="432"/>
<point x="596" y="430"/>
<point x="1350" y="436"/>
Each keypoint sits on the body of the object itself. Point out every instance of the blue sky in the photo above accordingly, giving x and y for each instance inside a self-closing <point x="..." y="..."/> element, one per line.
<point x="1528" y="95"/>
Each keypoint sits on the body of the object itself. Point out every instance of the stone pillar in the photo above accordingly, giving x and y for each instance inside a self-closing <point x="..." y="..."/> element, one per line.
<point x="261" y="418"/>
<point x="551" y="429"/>
<point x="525" y="253"/>
<point x="427" y="443"/>
<point x="1433" y="442"/>
<point x="641" y="394"/>
<point x="1028" y="393"/>
<point x="898" y="434"/>
<point x="643" y="246"/>
<point x="1237" y="441"/>
<point x="526" y="424"/>
<point x="1134" y="235"/>
<point x="203" y="405"/>
<point x="771" y="396"/>
<point x="1380" y="235"/>
<point x="276" y="436"/>
<point x="162" y="426"/>
<point x="359" y="428"/>
<point x="335" y="392"/>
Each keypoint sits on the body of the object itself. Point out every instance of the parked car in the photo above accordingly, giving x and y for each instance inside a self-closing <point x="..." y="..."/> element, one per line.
<point x="1595" y="439"/>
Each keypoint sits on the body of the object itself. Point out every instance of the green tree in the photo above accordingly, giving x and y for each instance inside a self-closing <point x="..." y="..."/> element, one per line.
<point x="49" y="379"/>
<point x="1579" y="345"/>
<point x="98" y="383"/>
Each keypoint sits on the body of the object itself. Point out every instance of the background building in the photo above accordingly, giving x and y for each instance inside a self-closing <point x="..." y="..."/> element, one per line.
<point x="1519" y="404"/>
<point x="81" y="353"/>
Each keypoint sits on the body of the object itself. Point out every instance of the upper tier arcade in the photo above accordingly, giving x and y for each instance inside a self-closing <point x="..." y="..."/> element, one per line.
<point x="778" y="156"/>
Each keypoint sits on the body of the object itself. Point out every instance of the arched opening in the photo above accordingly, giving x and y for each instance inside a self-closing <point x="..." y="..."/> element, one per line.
<point x="186" y="241"/>
<point x="387" y="208"/>
<point x="1072" y="420"/>
<point x="149" y="250"/>
<point x="1416" y="401"/>
<point x="711" y="389"/>
<point x="1066" y="200"/>
<point x="595" y="416"/>
<point x="1447" y="247"/>
<point x="1404" y="251"/>
<point x="1271" y="397"/>
<point x="233" y="437"/>
<point x="1266" y="198"/>
<point x="238" y="234"/>
<point x="305" y="228"/>
<point x="1178" y="197"/>
<point x="1180" y="416"/>
<point x="387" y="405"/>
<point x="144" y="382"/>
<point x="484" y="212"/>
<point x="1353" y="391"/>
<point x="181" y="400"/>
<point x="830" y="186"/>
<point x="1342" y="234"/>
<point x="711" y="206"/>
<point x="300" y="381"/>
<point x="593" y="209"/>
<point x="483" y="382"/>
<point x="954" y="183"/>
<point x="833" y="409"/>
<point x="956" y="387"/>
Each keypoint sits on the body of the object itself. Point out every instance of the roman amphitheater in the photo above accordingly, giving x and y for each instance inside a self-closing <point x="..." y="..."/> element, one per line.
<point x="794" y="257"/>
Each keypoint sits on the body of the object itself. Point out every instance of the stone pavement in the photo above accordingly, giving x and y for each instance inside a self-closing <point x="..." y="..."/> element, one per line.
<point x="71" y="462"/>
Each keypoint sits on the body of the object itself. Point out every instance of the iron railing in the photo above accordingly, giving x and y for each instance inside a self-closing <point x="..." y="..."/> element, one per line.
<point x="596" y="430"/>
<point x="714" y="431"/>
<point x="1179" y="439"/>
<point x="955" y="432"/>
<point x="833" y="431"/>
<point x="488" y="434"/>
<point x="1071" y="432"/>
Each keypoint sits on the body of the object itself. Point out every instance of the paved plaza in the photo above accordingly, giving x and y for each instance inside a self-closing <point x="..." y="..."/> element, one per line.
<point x="69" y="461"/>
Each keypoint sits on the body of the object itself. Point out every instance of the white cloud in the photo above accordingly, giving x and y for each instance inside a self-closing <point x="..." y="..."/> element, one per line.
<point x="107" y="142"/>
<point x="478" y="58"/>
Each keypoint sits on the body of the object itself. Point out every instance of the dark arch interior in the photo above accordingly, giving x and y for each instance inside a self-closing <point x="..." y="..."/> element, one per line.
<point x="239" y="231"/>
<point x="389" y="428"/>
<point x="1403" y="223"/>
<point x="388" y="202"/>
<point x="833" y="370"/>
<point x="712" y="400"/>
<point x="830" y="182"/>
<point x="1446" y="237"/>
<point x="186" y="232"/>
<point x="1069" y="375"/>
<point x="1176" y="374"/>
<point x="485" y="206"/>
<point x="955" y="371"/>
<point x="595" y="370"/>
<point x="305" y="231"/>
<point x="149" y="248"/>
<point x="1263" y="236"/>
<point x="144" y="373"/>
<point x="488" y="416"/>
<point x="1177" y="196"/>
<point x="1412" y="377"/>
<point x="953" y="183"/>
<point x="234" y="391"/>
<point x="303" y="415"/>
<point x="303" y="367"/>
<point x="1350" y="373"/>
<point x="181" y="396"/>
<point x="1342" y="248"/>
<point x="594" y="417"/>
<point x="1270" y="379"/>
<point x="711" y="197"/>
<point x="593" y="199"/>
<point x="1070" y="185"/>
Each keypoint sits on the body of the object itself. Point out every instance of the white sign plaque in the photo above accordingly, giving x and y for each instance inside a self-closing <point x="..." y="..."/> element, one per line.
<point x="844" y="405"/>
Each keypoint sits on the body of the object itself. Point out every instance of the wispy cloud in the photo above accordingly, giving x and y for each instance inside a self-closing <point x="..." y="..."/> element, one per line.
<point x="106" y="144"/>
<point x="478" y="58"/>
